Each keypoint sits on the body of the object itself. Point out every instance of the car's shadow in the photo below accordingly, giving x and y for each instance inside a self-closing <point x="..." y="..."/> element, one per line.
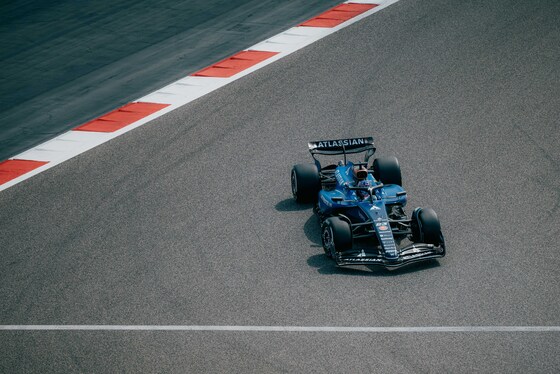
<point x="290" y="205"/>
<point x="311" y="227"/>
<point x="327" y="266"/>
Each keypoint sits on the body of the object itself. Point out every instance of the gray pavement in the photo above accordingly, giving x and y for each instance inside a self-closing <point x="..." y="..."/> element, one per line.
<point x="67" y="62"/>
<point x="189" y="220"/>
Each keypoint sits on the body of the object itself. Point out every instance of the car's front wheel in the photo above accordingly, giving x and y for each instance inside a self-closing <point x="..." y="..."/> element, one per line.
<point x="426" y="227"/>
<point x="336" y="235"/>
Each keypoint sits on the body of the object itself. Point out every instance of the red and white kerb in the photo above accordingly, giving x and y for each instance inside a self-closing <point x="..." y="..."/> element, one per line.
<point x="181" y="92"/>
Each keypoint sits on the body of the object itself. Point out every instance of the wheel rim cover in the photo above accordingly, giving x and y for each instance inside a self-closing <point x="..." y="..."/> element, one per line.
<point x="328" y="240"/>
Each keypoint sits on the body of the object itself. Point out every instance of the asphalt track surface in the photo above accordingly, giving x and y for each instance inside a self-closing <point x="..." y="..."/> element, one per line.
<point x="67" y="62"/>
<point x="189" y="220"/>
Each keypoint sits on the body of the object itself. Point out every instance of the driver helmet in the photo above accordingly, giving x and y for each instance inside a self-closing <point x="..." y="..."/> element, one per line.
<point x="360" y="172"/>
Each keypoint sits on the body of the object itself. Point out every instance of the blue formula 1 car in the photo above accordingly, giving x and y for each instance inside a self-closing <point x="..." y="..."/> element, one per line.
<point x="361" y="208"/>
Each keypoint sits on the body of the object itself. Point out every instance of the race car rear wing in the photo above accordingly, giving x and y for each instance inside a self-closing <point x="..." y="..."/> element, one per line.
<point x="342" y="146"/>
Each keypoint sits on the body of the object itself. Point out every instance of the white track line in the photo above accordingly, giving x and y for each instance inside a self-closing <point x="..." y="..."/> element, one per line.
<point x="404" y="329"/>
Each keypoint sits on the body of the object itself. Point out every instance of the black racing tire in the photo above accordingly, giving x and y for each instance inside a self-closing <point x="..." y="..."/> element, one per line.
<point x="387" y="170"/>
<point x="306" y="183"/>
<point x="426" y="227"/>
<point x="336" y="235"/>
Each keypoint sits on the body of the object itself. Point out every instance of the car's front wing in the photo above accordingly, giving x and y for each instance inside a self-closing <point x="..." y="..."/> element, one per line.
<point x="413" y="253"/>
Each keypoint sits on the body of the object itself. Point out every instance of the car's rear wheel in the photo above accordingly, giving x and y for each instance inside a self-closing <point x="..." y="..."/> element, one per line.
<point x="336" y="235"/>
<point x="426" y="227"/>
<point x="387" y="170"/>
<point x="306" y="183"/>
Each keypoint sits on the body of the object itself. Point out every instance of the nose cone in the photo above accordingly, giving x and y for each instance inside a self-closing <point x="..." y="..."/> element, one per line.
<point x="385" y="235"/>
<point x="392" y="255"/>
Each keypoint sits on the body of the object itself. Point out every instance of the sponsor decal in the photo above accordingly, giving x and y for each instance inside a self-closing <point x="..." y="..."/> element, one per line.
<point x="383" y="228"/>
<point x="326" y="201"/>
<point x="374" y="207"/>
<point x="361" y="259"/>
<point x="338" y="177"/>
<point x="341" y="143"/>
